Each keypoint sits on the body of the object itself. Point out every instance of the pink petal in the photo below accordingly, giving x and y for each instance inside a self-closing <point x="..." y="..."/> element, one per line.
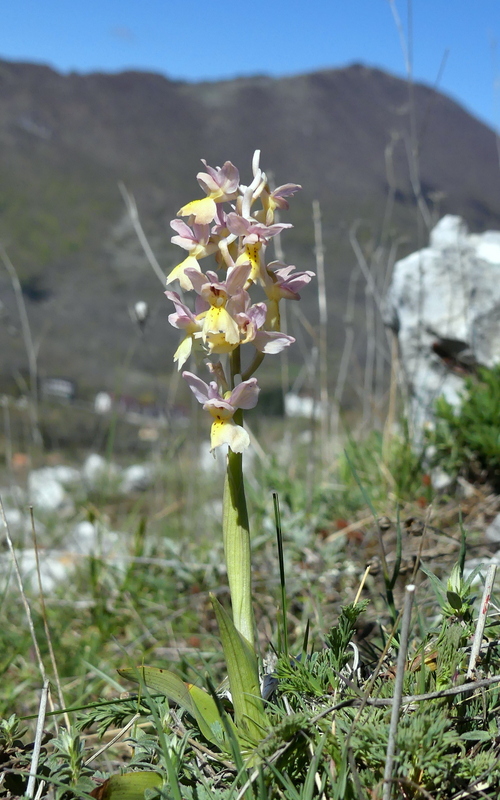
<point x="198" y="279"/>
<point x="286" y="190"/>
<point x="272" y="342"/>
<point x="198" y="387"/>
<point x="182" y="228"/>
<point x="217" y="404"/>
<point x="237" y="277"/>
<point x="230" y="177"/>
<point x="245" y="395"/>
<point x="257" y="314"/>
<point x="237" y="224"/>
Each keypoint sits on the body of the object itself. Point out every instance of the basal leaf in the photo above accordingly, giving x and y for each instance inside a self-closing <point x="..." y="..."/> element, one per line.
<point x="198" y="703"/>
<point x="243" y="674"/>
<point x="162" y="681"/>
<point x="130" y="786"/>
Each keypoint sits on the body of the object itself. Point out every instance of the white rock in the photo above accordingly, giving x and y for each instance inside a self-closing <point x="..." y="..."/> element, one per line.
<point x="137" y="478"/>
<point x="17" y="521"/>
<point x="46" y="493"/>
<point x="83" y="538"/>
<point x="13" y="495"/>
<point x="441" y="480"/>
<point x="451" y="231"/>
<point x="97" y="469"/>
<point x="297" y="406"/>
<point x="68" y="476"/>
<point x="103" y="403"/>
<point x="20" y="525"/>
<point x="472" y="563"/>
<point x="445" y="297"/>
<point x="54" y="568"/>
<point x="492" y="532"/>
<point x="88" y="539"/>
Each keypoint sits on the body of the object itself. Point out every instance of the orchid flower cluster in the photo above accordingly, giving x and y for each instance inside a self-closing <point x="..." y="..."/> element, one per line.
<point x="228" y="225"/>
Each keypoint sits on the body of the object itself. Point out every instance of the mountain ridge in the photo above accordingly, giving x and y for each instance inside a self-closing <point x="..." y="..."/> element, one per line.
<point x="67" y="140"/>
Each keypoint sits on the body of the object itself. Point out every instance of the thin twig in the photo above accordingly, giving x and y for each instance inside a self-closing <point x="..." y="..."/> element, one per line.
<point x="38" y="739"/>
<point x="343" y="369"/>
<point x="46" y="624"/>
<point x="352" y="527"/>
<point x="361" y="585"/>
<point x="370" y="322"/>
<point x="280" y="256"/>
<point x="28" y="344"/>
<point x="133" y="213"/>
<point x="398" y="690"/>
<point x="391" y="411"/>
<point x="407" y="700"/>
<point x="23" y="594"/>
<point x="4" y="402"/>
<point x="319" y="251"/>
<point x="113" y="740"/>
<point x="481" y="621"/>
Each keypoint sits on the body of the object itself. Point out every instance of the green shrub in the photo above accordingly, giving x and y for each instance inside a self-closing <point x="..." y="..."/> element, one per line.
<point x="467" y="440"/>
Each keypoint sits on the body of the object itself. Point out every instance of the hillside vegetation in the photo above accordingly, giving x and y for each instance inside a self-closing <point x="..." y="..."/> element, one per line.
<point x="346" y="135"/>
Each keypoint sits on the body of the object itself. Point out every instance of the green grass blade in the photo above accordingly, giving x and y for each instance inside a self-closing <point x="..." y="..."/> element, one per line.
<point x="279" y="539"/>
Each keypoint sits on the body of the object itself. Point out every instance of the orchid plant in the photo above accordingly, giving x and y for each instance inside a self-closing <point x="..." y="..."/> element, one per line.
<point x="231" y="331"/>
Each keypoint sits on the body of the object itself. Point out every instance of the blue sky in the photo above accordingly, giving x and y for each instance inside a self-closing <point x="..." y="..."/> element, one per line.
<point x="207" y="41"/>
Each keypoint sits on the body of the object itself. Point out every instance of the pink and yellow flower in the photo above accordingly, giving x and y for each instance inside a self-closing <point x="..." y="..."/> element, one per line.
<point x="220" y="184"/>
<point x="219" y="329"/>
<point x="222" y="408"/>
<point x="184" y="320"/>
<point x="197" y="242"/>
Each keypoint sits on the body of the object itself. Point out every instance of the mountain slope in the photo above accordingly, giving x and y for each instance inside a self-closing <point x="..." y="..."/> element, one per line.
<point x="66" y="141"/>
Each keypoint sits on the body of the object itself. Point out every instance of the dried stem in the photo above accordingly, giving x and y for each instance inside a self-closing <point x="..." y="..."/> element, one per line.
<point x="481" y="621"/>
<point x="133" y="213"/>
<point x="398" y="691"/>
<point x="112" y="741"/>
<point x="319" y="251"/>
<point x="28" y="344"/>
<point x="46" y="623"/>
<point x="346" y="355"/>
<point x="23" y="594"/>
<point x="38" y="739"/>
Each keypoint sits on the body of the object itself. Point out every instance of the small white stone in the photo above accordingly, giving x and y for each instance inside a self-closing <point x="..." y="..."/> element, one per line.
<point x="96" y="469"/>
<point x="46" y="493"/>
<point x="68" y="476"/>
<point x="137" y="478"/>
<point x="492" y="532"/>
<point x="103" y="403"/>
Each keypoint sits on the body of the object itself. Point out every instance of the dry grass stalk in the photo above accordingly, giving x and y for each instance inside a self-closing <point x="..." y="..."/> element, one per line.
<point x="46" y="624"/>
<point x="38" y="739"/>
<point x="319" y="251"/>
<point x="481" y="621"/>
<point x="398" y="690"/>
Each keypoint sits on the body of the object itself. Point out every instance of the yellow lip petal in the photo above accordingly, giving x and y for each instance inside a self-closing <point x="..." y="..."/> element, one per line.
<point x="183" y="352"/>
<point x="219" y="321"/>
<point x="251" y="255"/>
<point x="178" y="273"/>
<point x="203" y="210"/>
<point x="217" y="344"/>
<point x="227" y="432"/>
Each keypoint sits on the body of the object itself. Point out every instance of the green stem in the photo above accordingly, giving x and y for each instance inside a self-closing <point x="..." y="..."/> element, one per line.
<point x="236" y="536"/>
<point x="234" y="365"/>
<point x="236" y="531"/>
<point x="257" y="361"/>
